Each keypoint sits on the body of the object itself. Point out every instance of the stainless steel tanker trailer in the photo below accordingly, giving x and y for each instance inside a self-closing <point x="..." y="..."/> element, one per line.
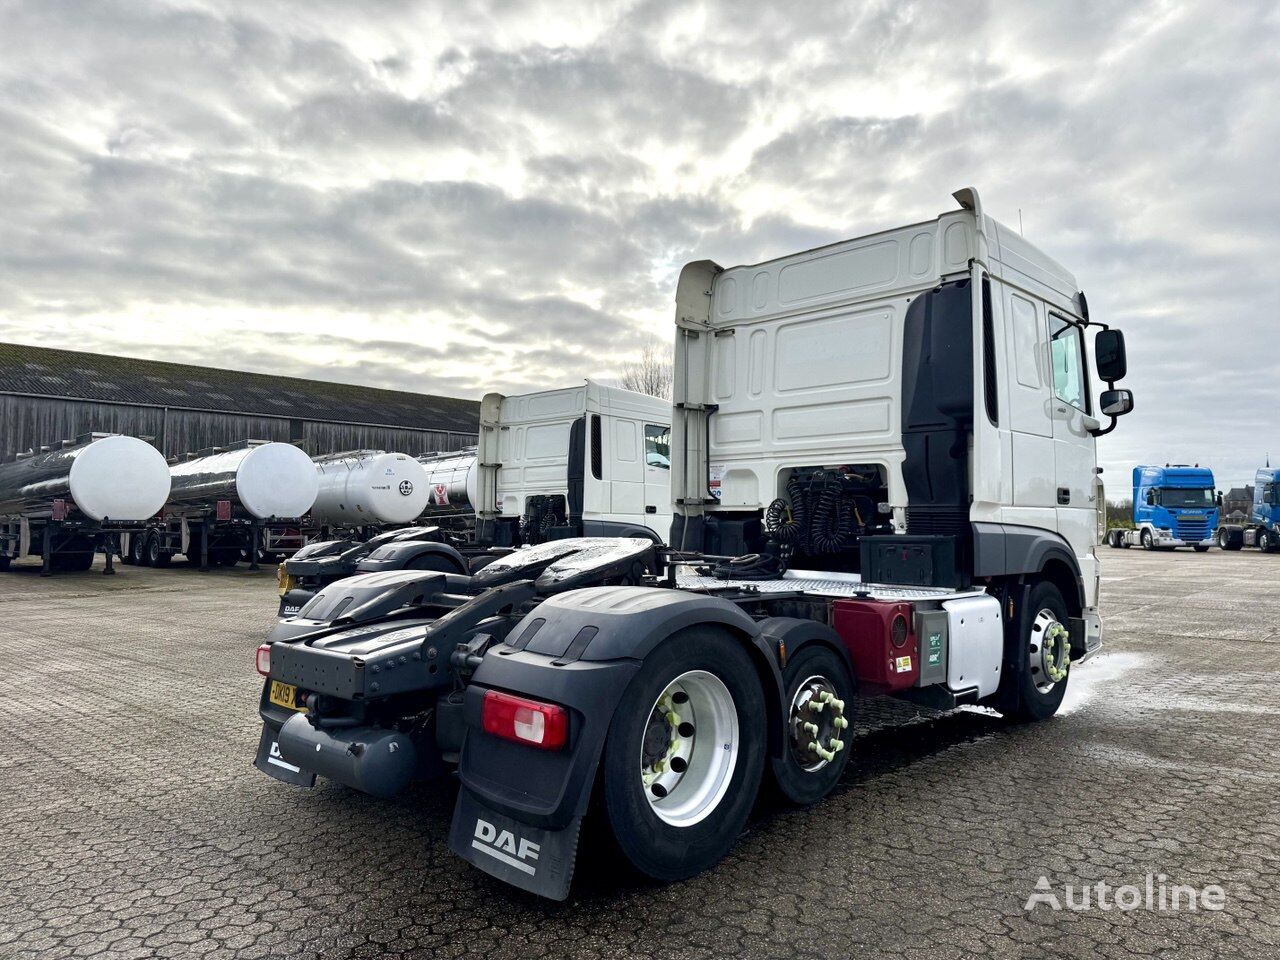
<point x="365" y="500"/>
<point x="67" y="502"/>
<point x="224" y="504"/>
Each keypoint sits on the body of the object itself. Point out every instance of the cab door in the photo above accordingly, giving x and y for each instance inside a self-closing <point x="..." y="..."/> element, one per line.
<point x="1074" y="451"/>
<point x="657" y="479"/>
<point x="626" y="472"/>
<point x="1030" y="398"/>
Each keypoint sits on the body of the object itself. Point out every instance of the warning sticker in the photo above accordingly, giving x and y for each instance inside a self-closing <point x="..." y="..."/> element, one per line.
<point x="714" y="478"/>
<point x="903" y="664"/>
<point x="935" y="649"/>
<point x="440" y="493"/>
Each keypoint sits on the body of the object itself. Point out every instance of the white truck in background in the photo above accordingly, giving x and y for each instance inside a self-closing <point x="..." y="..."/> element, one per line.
<point x="590" y="460"/>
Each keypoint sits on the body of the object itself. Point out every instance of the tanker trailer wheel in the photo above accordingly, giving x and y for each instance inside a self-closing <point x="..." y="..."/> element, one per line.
<point x="1148" y="541"/>
<point x="684" y="755"/>
<point x="138" y="549"/>
<point x="156" y="557"/>
<point x="819" y="694"/>
<point x="1042" y="628"/>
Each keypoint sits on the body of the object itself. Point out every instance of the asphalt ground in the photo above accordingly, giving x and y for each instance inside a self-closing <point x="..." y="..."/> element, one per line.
<point x="133" y="825"/>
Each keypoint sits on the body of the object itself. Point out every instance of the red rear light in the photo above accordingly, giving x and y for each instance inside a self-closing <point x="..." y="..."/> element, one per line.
<point x="541" y="725"/>
<point x="263" y="661"/>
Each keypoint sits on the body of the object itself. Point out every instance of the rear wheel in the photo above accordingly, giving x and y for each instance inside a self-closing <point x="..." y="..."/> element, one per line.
<point x="1267" y="541"/>
<point x="1113" y="539"/>
<point x="156" y="556"/>
<point x="684" y="755"/>
<point x="1042" y="629"/>
<point x="138" y="549"/>
<point x="819" y="694"/>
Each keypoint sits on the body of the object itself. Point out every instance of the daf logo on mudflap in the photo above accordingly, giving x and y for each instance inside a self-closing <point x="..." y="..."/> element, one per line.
<point x="506" y="846"/>
<point x="406" y="488"/>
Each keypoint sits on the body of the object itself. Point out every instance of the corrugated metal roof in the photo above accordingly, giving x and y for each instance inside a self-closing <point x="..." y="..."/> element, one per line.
<point x="47" y="372"/>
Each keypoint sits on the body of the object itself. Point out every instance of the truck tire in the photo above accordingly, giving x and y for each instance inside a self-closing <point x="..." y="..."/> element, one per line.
<point x="801" y="774"/>
<point x="1113" y="539"/>
<point x="1267" y="542"/>
<point x="138" y="549"/>
<point x="1200" y="547"/>
<point x="156" y="556"/>
<point x="684" y="755"/>
<point x="1148" y="541"/>
<point x="4" y="563"/>
<point x="1039" y="696"/>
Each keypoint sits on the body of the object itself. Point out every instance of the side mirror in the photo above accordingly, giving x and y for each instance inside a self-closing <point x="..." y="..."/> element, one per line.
<point x="1109" y="356"/>
<point x="1116" y="403"/>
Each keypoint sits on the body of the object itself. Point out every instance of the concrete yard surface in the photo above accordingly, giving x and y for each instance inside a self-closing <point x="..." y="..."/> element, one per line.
<point x="133" y="824"/>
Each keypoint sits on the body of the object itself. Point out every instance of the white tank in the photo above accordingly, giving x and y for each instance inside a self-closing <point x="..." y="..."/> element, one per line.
<point x="451" y="480"/>
<point x="266" y="479"/>
<point x="107" y="477"/>
<point x="370" y="488"/>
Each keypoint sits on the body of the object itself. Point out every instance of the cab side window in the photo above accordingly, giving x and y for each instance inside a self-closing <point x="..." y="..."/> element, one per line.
<point x="1151" y="498"/>
<point x="657" y="446"/>
<point x="1067" y="357"/>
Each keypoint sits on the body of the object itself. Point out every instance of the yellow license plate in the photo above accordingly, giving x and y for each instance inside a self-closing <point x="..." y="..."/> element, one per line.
<point x="284" y="695"/>
<point x="287" y="582"/>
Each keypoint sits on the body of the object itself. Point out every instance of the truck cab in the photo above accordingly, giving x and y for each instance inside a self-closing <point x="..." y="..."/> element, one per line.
<point x="591" y="460"/>
<point x="1173" y="506"/>
<point x="1263" y="527"/>
<point x="939" y="384"/>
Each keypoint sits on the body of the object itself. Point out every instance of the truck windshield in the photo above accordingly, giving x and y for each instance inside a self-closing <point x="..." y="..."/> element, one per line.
<point x="1186" y="498"/>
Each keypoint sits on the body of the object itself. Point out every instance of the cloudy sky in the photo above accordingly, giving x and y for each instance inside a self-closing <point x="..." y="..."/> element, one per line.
<point x="461" y="195"/>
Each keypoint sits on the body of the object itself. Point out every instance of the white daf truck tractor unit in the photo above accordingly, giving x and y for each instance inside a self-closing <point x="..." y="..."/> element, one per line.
<point x="590" y="460"/>
<point x="884" y="482"/>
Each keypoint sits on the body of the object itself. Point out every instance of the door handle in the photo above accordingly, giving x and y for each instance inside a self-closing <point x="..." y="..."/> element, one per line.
<point x="1064" y="496"/>
<point x="650" y="509"/>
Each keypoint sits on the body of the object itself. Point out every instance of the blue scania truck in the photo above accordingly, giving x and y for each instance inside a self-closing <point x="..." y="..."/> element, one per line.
<point x="1262" y="530"/>
<point x="1173" y="506"/>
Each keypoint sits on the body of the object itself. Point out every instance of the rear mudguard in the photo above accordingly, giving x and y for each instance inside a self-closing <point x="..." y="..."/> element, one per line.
<point x="580" y="650"/>
<point x="401" y="555"/>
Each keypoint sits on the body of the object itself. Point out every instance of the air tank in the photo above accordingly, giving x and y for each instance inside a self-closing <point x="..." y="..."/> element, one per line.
<point x="265" y="479"/>
<point x="451" y="480"/>
<point x="369" y="488"/>
<point x="104" y="476"/>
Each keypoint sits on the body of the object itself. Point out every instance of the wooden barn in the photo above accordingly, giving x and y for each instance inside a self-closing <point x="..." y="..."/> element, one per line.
<point x="48" y="395"/>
